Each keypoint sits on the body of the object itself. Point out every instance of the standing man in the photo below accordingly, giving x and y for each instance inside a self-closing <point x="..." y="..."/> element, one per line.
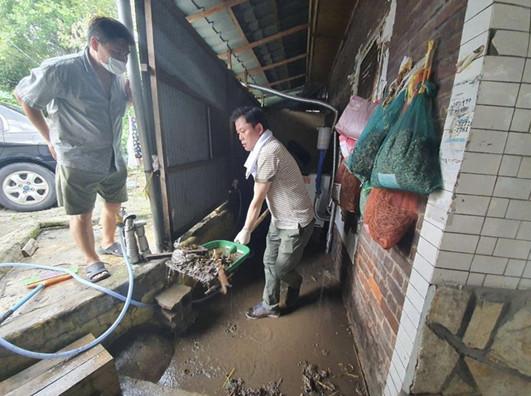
<point x="85" y="96"/>
<point x="278" y="180"/>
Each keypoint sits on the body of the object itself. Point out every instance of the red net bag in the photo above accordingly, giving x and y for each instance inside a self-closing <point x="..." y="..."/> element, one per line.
<point x="349" y="194"/>
<point x="389" y="214"/>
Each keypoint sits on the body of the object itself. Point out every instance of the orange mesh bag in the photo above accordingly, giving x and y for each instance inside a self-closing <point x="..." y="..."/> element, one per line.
<point x="389" y="214"/>
<point x="349" y="194"/>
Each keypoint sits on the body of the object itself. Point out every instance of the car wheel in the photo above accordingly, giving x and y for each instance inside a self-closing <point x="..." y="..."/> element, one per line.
<point x="27" y="187"/>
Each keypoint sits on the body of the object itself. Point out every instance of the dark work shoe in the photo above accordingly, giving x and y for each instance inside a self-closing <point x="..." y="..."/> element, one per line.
<point x="260" y="311"/>
<point x="292" y="296"/>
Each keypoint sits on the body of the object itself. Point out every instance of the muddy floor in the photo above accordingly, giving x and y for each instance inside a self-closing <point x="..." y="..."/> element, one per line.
<point x="223" y="342"/>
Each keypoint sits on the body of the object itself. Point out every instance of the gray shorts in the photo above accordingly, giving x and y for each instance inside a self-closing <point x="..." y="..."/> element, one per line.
<point x="77" y="188"/>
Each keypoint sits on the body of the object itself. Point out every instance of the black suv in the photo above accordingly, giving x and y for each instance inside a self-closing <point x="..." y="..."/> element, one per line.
<point x="26" y="165"/>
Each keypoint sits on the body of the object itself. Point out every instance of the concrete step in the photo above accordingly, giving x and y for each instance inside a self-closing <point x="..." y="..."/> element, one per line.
<point x="135" y="387"/>
<point x="177" y="294"/>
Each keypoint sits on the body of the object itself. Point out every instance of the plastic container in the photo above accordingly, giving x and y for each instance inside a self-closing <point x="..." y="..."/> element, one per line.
<point x="230" y="247"/>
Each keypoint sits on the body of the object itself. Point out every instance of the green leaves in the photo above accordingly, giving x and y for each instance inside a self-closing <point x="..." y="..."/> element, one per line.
<point x="34" y="30"/>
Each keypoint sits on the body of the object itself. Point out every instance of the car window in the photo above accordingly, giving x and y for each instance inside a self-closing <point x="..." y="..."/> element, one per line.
<point x="16" y="120"/>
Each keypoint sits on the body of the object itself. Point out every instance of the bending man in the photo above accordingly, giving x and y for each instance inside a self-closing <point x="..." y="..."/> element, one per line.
<point x="278" y="180"/>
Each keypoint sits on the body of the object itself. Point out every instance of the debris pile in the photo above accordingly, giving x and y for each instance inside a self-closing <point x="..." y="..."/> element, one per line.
<point x="316" y="382"/>
<point x="236" y="387"/>
<point x="200" y="263"/>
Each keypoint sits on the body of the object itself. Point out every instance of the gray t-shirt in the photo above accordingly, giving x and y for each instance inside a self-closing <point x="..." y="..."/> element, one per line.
<point x="287" y="198"/>
<point x="85" y="125"/>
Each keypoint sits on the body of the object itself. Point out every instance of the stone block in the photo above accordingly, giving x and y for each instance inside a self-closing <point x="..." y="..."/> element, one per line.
<point x="173" y="296"/>
<point x="495" y="382"/>
<point x="436" y="361"/>
<point x="512" y="344"/>
<point x="448" y="307"/>
<point x="459" y="387"/>
<point x="482" y="323"/>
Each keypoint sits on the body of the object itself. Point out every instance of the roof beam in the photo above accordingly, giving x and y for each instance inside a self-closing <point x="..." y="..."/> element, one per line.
<point x="226" y="4"/>
<point x="273" y="65"/>
<point x="242" y="35"/>
<point x="266" y="40"/>
<point x="287" y="79"/>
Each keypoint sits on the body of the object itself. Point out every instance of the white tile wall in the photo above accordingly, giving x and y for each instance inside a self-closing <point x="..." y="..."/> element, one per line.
<point x="486" y="245"/>
<point x="464" y="224"/>
<point x="519" y="210"/>
<point x="512" y="248"/>
<point x="503" y="68"/>
<point x="515" y="268"/>
<point x="500" y="281"/>
<point x="489" y="264"/>
<point x="460" y="242"/>
<point x="510" y="43"/>
<point x="498" y="207"/>
<point x="476" y="6"/>
<point x="522" y="117"/>
<point x="512" y="187"/>
<point x="475" y="279"/>
<point x="454" y="260"/>
<point x="525" y="231"/>
<point x="518" y="143"/>
<point x="525" y="168"/>
<point x="510" y="165"/>
<point x="486" y="141"/>
<point x="510" y="17"/>
<point x="524" y="97"/>
<point x="445" y="276"/>
<point x="500" y="227"/>
<point x="492" y="117"/>
<point x="479" y="23"/>
<point x="527" y="72"/>
<point x="481" y="163"/>
<point x="524" y="284"/>
<point x="498" y="93"/>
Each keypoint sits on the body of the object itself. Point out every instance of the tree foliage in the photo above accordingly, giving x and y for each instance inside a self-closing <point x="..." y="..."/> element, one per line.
<point x="34" y="30"/>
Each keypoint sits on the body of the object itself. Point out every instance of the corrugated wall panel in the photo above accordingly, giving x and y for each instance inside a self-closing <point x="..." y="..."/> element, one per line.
<point x="193" y="95"/>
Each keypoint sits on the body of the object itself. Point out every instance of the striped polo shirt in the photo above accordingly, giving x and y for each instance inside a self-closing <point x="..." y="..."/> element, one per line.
<point x="287" y="198"/>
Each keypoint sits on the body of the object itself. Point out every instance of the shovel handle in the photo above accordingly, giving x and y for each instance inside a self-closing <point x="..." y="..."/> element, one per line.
<point x="260" y="219"/>
<point x="50" y="281"/>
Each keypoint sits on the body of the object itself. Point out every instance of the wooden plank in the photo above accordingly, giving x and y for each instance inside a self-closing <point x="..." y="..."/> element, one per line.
<point x="214" y="9"/>
<point x="287" y="79"/>
<point x="273" y="65"/>
<point x="60" y="376"/>
<point x="266" y="40"/>
<point x="95" y="376"/>
<point x="34" y="371"/>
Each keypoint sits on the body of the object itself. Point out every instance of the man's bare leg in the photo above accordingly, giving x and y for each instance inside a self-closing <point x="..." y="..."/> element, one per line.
<point x="108" y="222"/>
<point x="81" y="229"/>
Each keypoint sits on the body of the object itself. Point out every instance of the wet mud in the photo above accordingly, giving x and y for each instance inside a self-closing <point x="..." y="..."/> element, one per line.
<point x="224" y="347"/>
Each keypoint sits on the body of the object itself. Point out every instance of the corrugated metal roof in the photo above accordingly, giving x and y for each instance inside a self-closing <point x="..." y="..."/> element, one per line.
<point x="258" y="19"/>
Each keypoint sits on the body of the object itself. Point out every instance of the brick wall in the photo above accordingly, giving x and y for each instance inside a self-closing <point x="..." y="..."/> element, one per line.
<point x="376" y="283"/>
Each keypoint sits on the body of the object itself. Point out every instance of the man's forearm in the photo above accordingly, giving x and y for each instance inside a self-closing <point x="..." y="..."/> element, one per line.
<point x="252" y="214"/>
<point x="37" y="119"/>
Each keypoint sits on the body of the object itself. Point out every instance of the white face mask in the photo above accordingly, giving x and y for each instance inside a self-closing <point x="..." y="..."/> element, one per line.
<point x="115" y="66"/>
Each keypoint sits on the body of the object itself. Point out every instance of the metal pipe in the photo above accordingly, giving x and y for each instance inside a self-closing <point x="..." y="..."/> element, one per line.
<point x="152" y="179"/>
<point x="332" y="204"/>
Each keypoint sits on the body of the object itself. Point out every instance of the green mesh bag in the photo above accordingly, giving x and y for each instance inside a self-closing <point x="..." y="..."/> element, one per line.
<point x="408" y="159"/>
<point x="364" y="195"/>
<point x="361" y="160"/>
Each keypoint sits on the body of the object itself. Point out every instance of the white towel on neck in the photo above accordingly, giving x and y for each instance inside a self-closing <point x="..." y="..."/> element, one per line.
<point x="252" y="159"/>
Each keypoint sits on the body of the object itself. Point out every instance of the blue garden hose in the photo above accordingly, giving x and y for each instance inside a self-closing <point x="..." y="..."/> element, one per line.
<point x="21" y="302"/>
<point x="66" y="354"/>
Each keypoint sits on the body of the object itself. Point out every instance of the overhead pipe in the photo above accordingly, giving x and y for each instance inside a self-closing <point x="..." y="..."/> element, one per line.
<point x="332" y="204"/>
<point x="139" y="103"/>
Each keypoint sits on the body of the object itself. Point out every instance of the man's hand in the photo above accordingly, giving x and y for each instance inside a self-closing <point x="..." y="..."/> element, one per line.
<point x="243" y="237"/>
<point x="52" y="151"/>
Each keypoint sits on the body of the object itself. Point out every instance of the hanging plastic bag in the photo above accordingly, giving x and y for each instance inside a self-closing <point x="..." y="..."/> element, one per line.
<point x="408" y="159"/>
<point x="389" y="215"/>
<point x="346" y="145"/>
<point x="361" y="161"/>
<point x="355" y="116"/>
